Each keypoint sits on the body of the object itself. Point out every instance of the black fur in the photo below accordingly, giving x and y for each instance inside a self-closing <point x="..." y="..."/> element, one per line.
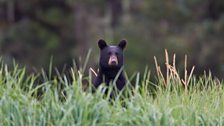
<point x="108" y="72"/>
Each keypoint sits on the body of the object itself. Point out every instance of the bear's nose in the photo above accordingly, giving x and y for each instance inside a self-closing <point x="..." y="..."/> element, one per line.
<point x="113" y="60"/>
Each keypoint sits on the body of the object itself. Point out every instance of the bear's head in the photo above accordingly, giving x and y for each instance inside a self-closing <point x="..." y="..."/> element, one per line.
<point x="111" y="56"/>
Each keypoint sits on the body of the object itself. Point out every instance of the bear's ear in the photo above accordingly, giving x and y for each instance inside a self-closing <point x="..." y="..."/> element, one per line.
<point x="122" y="44"/>
<point x="102" y="44"/>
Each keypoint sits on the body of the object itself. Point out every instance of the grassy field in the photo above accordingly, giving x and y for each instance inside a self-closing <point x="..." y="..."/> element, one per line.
<point x="174" y="101"/>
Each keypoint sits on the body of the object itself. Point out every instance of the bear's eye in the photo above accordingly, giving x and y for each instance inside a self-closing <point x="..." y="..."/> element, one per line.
<point x="109" y="53"/>
<point x="116" y="53"/>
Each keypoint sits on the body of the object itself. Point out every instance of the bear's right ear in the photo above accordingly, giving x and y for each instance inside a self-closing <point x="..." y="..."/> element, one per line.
<point x="102" y="44"/>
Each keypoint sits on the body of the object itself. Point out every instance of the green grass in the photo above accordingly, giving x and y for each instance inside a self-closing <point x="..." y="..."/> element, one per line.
<point x="21" y="105"/>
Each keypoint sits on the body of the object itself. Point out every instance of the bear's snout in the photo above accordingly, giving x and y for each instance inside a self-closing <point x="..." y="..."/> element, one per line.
<point x="113" y="60"/>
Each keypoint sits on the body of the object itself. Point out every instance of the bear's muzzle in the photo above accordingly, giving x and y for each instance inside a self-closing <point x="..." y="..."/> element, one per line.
<point x="113" y="60"/>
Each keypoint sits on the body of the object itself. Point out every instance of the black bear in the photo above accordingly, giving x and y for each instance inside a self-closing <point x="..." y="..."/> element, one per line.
<point x="110" y="64"/>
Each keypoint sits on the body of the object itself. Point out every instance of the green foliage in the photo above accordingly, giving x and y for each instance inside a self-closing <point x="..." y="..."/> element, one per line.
<point x="20" y="105"/>
<point x="68" y="28"/>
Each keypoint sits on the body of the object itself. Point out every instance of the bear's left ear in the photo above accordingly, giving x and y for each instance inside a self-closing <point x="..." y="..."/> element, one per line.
<point x="102" y="44"/>
<point x="122" y="44"/>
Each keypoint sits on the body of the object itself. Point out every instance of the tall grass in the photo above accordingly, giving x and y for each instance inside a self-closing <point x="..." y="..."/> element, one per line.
<point x="187" y="101"/>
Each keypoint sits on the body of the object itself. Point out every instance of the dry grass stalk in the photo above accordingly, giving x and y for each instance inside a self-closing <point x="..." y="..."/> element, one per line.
<point x="168" y="66"/>
<point x="93" y="71"/>
<point x="159" y="72"/>
<point x="171" y="72"/>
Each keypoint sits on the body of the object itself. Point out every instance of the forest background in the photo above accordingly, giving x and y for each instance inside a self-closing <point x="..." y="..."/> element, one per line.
<point x="32" y="31"/>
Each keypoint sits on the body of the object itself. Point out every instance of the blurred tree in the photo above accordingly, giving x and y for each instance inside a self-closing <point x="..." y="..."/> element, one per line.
<point x="37" y="29"/>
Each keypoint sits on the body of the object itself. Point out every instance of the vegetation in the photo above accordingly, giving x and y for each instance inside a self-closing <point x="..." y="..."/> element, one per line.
<point x="33" y="31"/>
<point x="198" y="102"/>
<point x="66" y="29"/>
